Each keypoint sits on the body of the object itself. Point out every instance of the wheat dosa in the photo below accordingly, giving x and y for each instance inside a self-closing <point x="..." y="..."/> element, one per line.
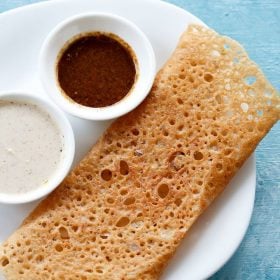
<point x="124" y="209"/>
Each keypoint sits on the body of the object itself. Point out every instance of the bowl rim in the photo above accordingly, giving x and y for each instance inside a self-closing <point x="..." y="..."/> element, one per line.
<point x="62" y="122"/>
<point x="115" y="110"/>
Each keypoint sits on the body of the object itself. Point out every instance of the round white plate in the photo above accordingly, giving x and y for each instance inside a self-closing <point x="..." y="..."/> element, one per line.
<point x="218" y="233"/>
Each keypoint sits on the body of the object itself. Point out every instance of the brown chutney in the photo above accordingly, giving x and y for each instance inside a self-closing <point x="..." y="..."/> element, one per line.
<point x="96" y="69"/>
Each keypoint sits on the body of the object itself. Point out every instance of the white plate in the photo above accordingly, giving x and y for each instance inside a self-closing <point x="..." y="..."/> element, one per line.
<point x="218" y="233"/>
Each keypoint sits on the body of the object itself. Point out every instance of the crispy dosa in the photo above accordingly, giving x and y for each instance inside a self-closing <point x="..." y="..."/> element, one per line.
<point x="124" y="209"/>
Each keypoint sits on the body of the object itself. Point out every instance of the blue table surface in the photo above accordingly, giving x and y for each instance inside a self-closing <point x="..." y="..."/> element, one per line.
<point x="256" y="24"/>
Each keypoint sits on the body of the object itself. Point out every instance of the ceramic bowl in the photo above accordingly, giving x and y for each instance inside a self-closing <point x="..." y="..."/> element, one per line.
<point x="68" y="153"/>
<point x="97" y="22"/>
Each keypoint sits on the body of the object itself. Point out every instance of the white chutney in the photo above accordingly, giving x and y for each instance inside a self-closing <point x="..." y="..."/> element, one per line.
<point x="31" y="147"/>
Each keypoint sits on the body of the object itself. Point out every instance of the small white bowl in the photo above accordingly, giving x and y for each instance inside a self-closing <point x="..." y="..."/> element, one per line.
<point x="98" y="22"/>
<point x="68" y="155"/>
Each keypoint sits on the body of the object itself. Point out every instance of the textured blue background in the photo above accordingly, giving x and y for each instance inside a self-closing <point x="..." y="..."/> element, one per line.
<point x="256" y="24"/>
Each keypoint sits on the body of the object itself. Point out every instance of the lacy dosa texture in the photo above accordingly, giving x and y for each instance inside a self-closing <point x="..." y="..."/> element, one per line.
<point x="124" y="209"/>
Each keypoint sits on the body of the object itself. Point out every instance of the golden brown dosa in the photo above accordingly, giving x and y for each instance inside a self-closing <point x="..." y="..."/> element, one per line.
<point x="124" y="209"/>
